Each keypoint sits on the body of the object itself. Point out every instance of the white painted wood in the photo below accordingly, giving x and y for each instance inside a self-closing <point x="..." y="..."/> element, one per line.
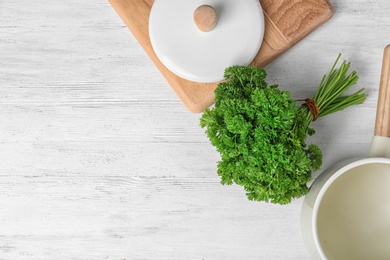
<point x="100" y="160"/>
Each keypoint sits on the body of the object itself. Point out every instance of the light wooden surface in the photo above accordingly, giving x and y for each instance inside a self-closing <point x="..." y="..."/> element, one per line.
<point x="101" y="160"/>
<point x="286" y="23"/>
<point x="382" y="122"/>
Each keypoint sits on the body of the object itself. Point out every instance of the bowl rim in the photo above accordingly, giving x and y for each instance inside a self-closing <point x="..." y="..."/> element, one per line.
<point x="326" y="186"/>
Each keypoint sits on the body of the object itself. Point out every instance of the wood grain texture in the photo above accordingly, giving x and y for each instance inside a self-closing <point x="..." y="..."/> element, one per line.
<point x="205" y="18"/>
<point x="286" y="23"/>
<point x="382" y="124"/>
<point x="99" y="159"/>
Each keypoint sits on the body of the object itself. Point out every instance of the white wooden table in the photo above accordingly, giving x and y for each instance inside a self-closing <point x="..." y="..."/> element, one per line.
<point x="99" y="159"/>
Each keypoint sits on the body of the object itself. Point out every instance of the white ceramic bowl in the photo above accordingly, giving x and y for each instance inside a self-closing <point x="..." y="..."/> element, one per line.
<point x="346" y="215"/>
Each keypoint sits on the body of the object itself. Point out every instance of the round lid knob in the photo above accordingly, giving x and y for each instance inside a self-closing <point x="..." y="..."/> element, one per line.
<point x="205" y="17"/>
<point x="192" y="44"/>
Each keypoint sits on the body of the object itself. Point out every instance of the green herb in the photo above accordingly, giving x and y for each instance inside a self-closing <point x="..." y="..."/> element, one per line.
<point x="260" y="131"/>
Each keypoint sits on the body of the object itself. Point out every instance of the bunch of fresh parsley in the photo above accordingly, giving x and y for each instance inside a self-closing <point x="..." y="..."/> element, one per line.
<point x="260" y="131"/>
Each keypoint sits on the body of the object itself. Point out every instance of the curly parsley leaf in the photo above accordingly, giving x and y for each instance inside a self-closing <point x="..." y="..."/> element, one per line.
<point x="260" y="132"/>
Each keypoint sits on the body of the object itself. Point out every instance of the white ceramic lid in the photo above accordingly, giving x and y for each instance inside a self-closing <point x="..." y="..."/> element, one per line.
<point x="203" y="56"/>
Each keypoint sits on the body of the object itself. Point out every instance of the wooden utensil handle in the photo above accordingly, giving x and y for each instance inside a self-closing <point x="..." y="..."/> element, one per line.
<point x="382" y="124"/>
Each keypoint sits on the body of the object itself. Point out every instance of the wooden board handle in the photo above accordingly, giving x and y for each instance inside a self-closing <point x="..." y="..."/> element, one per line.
<point x="382" y="124"/>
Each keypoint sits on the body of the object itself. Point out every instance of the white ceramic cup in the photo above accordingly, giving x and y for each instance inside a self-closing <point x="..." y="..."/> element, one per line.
<point x="346" y="214"/>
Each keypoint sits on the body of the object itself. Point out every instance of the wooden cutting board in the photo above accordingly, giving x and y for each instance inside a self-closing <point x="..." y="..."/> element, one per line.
<point x="286" y="23"/>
